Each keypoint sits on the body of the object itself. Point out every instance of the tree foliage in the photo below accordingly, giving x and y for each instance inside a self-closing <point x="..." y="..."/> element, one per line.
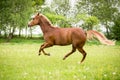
<point x="104" y="10"/>
<point x="14" y="14"/>
<point x="116" y="28"/>
<point x="56" y="17"/>
<point x="61" y="7"/>
<point x="90" y="22"/>
<point x="37" y="4"/>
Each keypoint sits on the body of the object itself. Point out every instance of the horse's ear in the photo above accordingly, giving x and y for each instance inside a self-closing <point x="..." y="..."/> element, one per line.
<point x="38" y="13"/>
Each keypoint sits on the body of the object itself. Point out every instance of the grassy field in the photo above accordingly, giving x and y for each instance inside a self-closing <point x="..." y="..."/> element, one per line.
<point x="19" y="60"/>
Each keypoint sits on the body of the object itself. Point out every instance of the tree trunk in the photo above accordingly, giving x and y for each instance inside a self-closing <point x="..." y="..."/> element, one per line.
<point x="0" y="33"/>
<point x="11" y="34"/>
<point x="5" y="33"/>
<point x="107" y="29"/>
<point x="30" y="32"/>
<point x="26" y="34"/>
<point x="20" y="32"/>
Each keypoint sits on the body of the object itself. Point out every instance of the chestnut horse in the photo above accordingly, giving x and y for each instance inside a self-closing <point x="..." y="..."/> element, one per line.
<point x="59" y="36"/>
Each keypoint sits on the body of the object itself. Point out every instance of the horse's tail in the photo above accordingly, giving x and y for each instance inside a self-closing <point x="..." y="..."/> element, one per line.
<point x="91" y="34"/>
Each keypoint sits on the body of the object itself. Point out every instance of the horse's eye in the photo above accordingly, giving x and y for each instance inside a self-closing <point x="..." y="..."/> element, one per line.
<point x="33" y="18"/>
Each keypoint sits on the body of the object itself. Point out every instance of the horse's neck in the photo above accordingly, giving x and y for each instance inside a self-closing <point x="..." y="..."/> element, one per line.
<point x="45" y="25"/>
<point x="45" y="28"/>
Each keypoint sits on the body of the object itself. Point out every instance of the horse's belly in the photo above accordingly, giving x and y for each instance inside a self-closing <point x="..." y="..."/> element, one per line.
<point x="63" y="41"/>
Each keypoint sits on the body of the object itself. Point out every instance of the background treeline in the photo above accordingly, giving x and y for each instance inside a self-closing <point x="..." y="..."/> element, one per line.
<point x="88" y="14"/>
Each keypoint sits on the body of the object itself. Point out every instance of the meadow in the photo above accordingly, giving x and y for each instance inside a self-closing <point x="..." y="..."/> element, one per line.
<point x="19" y="60"/>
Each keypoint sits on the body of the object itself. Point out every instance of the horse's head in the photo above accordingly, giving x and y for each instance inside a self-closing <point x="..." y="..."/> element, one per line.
<point x="39" y="19"/>
<point x="35" y="20"/>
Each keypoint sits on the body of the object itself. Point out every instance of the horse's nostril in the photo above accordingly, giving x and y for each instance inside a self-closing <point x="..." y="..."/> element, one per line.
<point x="28" y="25"/>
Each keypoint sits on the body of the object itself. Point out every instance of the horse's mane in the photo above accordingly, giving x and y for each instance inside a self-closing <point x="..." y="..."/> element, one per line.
<point x="46" y="20"/>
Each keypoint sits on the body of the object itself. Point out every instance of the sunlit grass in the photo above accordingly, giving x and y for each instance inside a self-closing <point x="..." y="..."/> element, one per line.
<point x="20" y="61"/>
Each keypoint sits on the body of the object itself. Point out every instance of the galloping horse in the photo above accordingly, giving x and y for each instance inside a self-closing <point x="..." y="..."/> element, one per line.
<point x="59" y="36"/>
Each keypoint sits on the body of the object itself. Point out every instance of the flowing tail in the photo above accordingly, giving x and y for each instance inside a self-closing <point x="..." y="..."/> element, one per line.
<point x="91" y="34"/>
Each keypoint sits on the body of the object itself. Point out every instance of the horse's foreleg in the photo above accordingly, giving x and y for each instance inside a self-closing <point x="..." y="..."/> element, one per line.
<point x="45" y="45"/>
<point x="48" y="54"/>
<point x="40" y="49"/>
<point x="83" y="53"/>
<point x="73" y="50"/>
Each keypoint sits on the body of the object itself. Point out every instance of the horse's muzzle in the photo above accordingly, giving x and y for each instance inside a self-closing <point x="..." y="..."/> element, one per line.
<point x="29" y="25"/>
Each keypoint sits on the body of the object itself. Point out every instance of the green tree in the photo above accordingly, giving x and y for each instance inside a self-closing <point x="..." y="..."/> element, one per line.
<point x="37" y="4"/>
<point x="4" y="16"/>
<point x="90" y="22"/>
<point x="116" y="28"/>
<point x="62" y="7"/>
<point x="58" y="20"/>
<point x="14" y="14"/>
<point x="104" y="10"/>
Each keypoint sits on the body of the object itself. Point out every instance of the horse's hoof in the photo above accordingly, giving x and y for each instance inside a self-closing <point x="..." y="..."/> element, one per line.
<point x="79" y="62"/>
<point x="64" y="58"/>
<point x="39" y="54"/>
<point x="48" y="54"/>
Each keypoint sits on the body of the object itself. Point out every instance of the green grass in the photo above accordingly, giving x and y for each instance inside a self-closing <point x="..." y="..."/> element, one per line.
<point x="22" y="40"/>
<point x="20" y="61"/>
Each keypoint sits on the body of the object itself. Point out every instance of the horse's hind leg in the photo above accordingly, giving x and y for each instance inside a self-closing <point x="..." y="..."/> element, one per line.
<point x="73" y="50"/>
<point x="83" y="53"/>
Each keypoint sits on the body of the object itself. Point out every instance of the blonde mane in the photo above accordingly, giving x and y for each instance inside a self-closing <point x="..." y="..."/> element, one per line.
<point x="46" y="20"/>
